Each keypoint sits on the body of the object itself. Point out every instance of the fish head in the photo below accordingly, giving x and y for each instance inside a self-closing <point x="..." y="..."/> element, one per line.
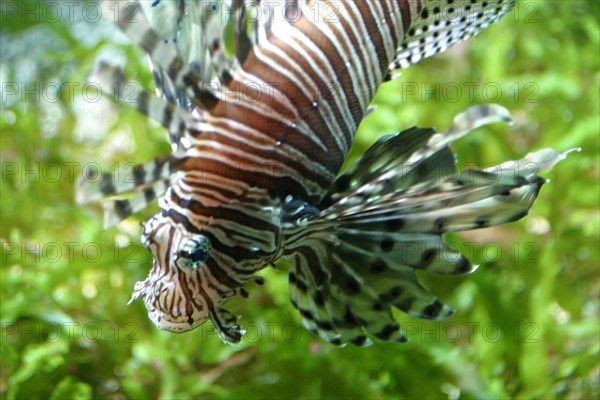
<point x="195" y="271"/>
<point x="173" y="292"/>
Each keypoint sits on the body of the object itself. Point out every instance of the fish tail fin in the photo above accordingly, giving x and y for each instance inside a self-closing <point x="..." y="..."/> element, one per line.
<point x="383" y="220"/>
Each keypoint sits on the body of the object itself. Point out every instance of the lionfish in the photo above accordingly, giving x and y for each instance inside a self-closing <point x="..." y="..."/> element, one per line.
<point x="261" y="100"/>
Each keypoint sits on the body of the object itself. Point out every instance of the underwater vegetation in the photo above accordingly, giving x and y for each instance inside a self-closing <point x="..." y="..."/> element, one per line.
<point x="526" y="322"/>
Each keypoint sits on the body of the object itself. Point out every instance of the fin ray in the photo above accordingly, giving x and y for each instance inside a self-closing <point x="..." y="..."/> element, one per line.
<point x="116" y="210"/>
<point x="96" y="185"/>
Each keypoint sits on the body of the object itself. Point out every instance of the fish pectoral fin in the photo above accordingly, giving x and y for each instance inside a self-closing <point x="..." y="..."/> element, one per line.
<point x="383" y="221"/>
<point x="127" y="190"/>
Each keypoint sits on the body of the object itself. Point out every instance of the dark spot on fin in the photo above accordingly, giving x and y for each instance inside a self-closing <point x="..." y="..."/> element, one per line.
<point x="394" y="225"/>
<point x="226" y="77"/>
<point x="319" y="298"/>
<point x="259" y="280"/>
<point x="378" y="266"/>
<point x="428" y="257"/>
<point x="480" y="223"/>
<point x="359" y="341"/>
<point x="465" y="266"/>
<point x="106" y="185"/>
<point x="149" y="194"/>
<point x="326" y="326"/>
<point x="387" y="332"/>
<point x="392" y="294"/>
<point x="307" y="314"/>
<point x="350" y="319"/>
<point x="139" y="173"/>
<point x="122" y="208"/>
<point x="301" y="285"/>
<point x="439" y="224"/>
<point x="352" y="285"/>
<point x="387" y="245"/>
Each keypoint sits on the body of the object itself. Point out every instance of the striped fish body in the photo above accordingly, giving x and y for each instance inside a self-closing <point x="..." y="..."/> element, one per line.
<point x="297" y="128"/>
<point x="302" y="93"/>
<point x="293" y="102"/>
<point x="259" y="138"/>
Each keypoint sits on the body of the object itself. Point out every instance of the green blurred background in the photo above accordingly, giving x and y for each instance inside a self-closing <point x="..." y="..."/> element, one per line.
<point x="526" y="324"/>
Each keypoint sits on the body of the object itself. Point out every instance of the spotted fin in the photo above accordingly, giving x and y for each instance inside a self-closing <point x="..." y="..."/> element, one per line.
<point x="358" y="258"/>
<point x="444" y="23"/>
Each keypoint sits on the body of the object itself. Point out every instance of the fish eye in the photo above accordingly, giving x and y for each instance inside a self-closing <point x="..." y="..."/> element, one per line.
<point x="194" y="252"/>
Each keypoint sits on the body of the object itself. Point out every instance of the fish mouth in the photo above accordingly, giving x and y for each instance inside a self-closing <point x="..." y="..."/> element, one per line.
<point x="175" y="324"/>
<point x="157" y="297"/>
